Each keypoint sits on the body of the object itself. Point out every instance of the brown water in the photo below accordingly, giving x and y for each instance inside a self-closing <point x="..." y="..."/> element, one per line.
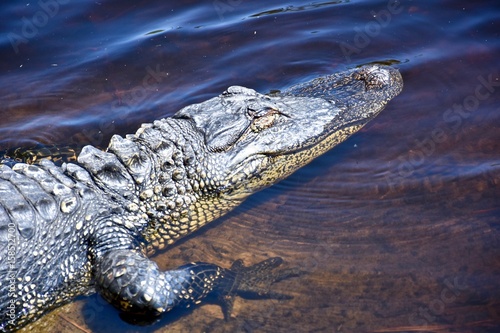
<point x="399" y="227"/>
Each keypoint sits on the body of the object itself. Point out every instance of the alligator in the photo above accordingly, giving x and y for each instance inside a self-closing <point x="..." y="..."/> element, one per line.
<point x="91" y="226"/>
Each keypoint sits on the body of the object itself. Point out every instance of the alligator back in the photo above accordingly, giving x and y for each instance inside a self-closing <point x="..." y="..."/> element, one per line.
<point x="43" y="240"/>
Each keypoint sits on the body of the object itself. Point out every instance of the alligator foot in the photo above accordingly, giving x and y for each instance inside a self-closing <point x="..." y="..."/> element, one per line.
<point x="255" y="282"/>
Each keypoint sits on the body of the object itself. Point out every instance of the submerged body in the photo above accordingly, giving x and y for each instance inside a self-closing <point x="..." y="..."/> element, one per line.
<point x="90" y="226"/>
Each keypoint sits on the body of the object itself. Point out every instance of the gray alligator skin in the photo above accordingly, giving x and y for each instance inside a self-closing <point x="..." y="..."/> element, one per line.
<point x="90" y="226"/>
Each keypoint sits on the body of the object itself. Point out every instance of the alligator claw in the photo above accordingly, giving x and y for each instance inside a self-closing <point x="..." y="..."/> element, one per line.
<point x="255" y="282"/>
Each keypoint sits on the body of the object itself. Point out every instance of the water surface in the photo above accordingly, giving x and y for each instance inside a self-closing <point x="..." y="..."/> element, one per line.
<point x="399" y="226"/>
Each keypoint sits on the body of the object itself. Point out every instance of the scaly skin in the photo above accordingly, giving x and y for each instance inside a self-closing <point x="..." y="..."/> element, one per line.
<point x="90" y="226"/>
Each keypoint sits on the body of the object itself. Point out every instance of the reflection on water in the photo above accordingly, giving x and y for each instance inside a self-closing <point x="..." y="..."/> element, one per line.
<point x="398" y="226"/>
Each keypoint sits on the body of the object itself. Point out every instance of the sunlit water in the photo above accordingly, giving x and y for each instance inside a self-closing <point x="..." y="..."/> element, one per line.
<point x="398" y="227"/>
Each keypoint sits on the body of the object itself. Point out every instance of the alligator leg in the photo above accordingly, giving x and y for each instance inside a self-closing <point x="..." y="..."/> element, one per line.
<point x="56" y="153"/>
<point x="134" y="284"/>
<point x="255" y="282"/>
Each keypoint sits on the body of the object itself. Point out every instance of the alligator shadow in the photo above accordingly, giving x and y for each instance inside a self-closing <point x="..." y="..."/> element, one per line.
<point x="100" y="316"/>
<point x="109" y="319"/>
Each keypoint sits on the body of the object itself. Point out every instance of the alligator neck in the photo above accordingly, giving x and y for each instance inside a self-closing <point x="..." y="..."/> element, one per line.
<point x="176" y="179"/>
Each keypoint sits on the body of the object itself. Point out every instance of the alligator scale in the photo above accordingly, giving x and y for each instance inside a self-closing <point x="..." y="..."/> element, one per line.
<point x="90" y="226"/>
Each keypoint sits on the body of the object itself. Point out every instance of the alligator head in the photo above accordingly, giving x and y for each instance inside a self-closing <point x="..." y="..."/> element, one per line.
<point x="258" y="139"/>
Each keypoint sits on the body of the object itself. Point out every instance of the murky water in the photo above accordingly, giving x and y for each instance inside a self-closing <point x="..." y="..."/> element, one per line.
<point x="399" y="226"/>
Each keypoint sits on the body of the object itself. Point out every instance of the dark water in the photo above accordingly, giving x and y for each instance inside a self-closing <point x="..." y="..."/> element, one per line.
<point x="399" y="226"/>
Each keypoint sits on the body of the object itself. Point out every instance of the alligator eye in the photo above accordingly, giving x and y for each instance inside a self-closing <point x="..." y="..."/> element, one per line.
<point x="264" y="118"/>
